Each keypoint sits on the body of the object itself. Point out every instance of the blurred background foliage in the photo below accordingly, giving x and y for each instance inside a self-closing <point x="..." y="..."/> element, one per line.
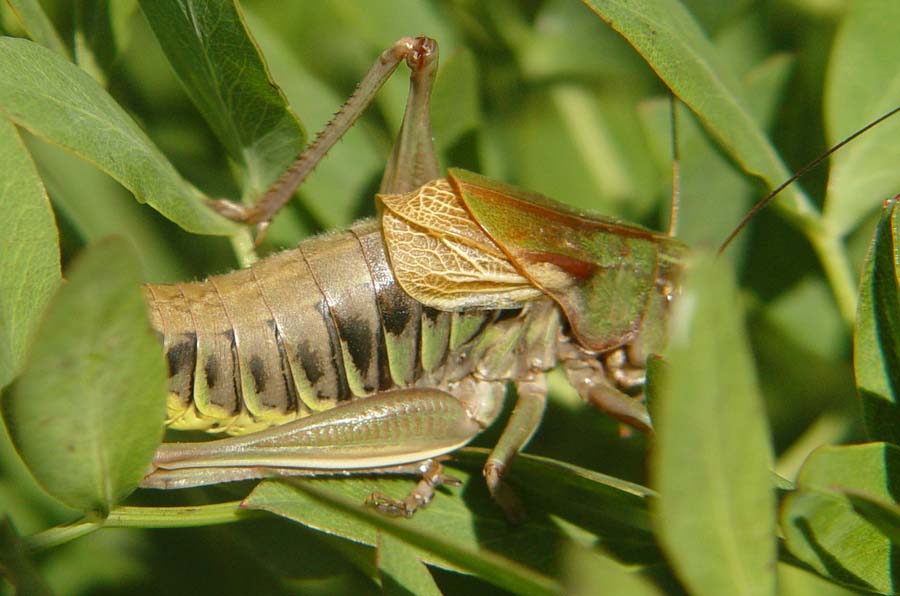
<point x="538" y="93"/>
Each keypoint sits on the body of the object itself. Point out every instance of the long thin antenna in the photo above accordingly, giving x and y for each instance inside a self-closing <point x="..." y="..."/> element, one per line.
<point x="675" y="204"/>
<point x="801" y="172"/>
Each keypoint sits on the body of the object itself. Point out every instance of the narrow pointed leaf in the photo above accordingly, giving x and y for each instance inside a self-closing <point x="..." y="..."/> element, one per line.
<point x="712" y="459"/>
<point x="39" y="26"/>
<point x="87" y="412"/>
<point x="61" y="103"/>
<point x="876" y="341"/>
<point x="497" y="569"/>
<point x="675" y="46"/>
<point x="467" y="524"/>
<point x="401" y="571"/>
<point x="29" y="251"/>
<point x="883" y="515"/>
<point x="219" y="64"/>
<point x="821" y="526"/>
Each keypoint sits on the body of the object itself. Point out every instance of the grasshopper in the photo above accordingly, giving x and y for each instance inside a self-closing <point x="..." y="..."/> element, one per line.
<point x="383" y="348"/>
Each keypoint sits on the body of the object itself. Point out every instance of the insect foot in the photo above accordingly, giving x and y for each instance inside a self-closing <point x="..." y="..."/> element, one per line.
<point x="432" y="477"/>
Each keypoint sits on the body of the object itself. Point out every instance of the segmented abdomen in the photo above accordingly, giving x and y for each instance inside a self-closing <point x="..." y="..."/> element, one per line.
<point x="304" y="330"/>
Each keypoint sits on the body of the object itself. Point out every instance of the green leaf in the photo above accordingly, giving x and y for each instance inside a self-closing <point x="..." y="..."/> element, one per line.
<point x="96" y="206"/>
<point x="705" y="174"/>
<point x="588" y="573"/>
<point x="87" y="412"/>
<point x="614" y="510"/>
<point x="466" y="523"/>
<point x="861" y="87"/>
<point x="797" y="581"/>
<point x="562" y="502"/>
<point x="304" y="500"/>
<point x="401" y="571"/>
<point x="883" y="515"/>
<point x="712" y="457"/>
<point x="29" y="252"/>
<point x="671" y="41"/>
<point x="821" y="526"/>
<point x="39" y="26"/>
<point x="210" y="49"/>
<point x="57" y="101"/>
<point x="876" y="341"/>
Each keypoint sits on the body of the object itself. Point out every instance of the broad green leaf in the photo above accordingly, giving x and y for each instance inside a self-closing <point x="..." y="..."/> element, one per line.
<point x="297" y="498"/>
<point x="29" y="255"/>
<point x="401" y="572"/>
<point x="823" y="530"/>
<point x="671" y="41"/>
<point x="39" y="26"/>
<point x="863" y="83"/>
<point x="588" y="573"/>
<point x="712" y="459"/>
<point x="87" y="412"/>
<point x="15" y="564"/>
<point x="876" y="342"/>
<point x="225" y="76"/>
<point x="57" y="101"/>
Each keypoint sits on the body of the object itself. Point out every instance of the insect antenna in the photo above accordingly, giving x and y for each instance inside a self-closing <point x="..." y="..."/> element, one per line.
<point x="801" y="172"/>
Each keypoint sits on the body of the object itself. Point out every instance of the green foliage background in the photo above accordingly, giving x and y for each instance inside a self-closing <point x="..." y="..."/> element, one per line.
<point x="542" y="94"/>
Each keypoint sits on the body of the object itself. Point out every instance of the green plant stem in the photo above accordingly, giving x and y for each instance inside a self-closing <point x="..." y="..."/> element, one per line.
<point x="144" y="517"/>
<point x="244" y="247"/>
<point x="177" y="517"/>
<point x="830" y="249"/>
<point x="61" y="534"/>
<point x="828" y="244"/>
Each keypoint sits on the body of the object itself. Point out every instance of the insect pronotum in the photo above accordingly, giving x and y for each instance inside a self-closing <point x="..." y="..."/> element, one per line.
<point x="384" y="347"/>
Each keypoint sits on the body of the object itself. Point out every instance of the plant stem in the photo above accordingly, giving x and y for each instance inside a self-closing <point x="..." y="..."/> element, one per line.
<point x="244" y="247"/>
<point x="177" y="517"/>
<point x="144" y="517"/>
<point x="830" y="248"/>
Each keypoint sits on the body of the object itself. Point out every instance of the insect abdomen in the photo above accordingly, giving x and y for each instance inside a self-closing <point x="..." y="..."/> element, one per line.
<point x="294" y="334"/>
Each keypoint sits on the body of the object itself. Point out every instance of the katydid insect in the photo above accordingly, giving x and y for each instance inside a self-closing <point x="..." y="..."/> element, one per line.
<point x="382" y="348"/>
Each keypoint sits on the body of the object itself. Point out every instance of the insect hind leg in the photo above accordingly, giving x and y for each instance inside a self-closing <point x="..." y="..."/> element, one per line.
<point x="433" y="476"/>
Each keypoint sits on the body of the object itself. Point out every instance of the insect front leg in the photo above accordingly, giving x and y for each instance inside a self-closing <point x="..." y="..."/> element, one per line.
<point x="592" y="382"/>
